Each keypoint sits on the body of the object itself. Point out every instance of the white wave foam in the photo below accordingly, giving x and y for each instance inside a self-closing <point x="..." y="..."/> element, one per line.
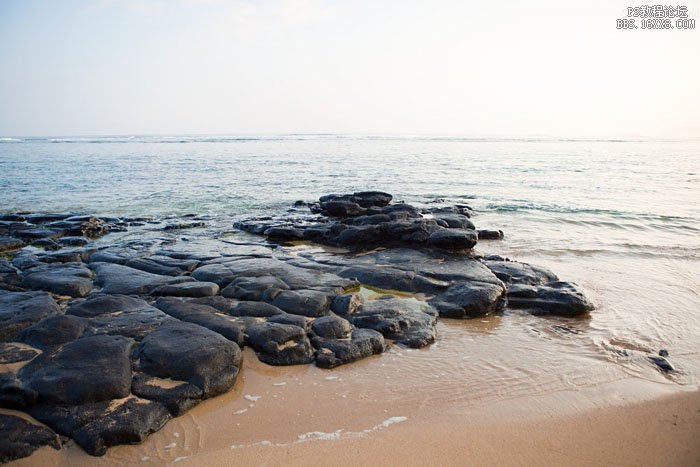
<point x="328" y="436"/>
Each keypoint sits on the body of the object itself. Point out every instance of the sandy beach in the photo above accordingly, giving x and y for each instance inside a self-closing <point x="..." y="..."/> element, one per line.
<point x="658" y="432"/>
<point x="661" y="432"/>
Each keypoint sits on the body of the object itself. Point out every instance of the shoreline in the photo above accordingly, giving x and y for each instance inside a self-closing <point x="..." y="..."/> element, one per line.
<point x="529" y="352"/>
<point x="635" y="424"/>
<point x="658" y="432"/>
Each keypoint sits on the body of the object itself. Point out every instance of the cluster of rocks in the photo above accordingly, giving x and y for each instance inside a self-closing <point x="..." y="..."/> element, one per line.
<point x="368" y="219"/>
<point x="53" y="231"/>
<point x="105" y="344"/>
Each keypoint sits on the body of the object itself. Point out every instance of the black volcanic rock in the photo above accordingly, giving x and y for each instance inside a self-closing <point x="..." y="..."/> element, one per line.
<point x="20" y="438"/>
<point x="20" y="310"/>
<point x="72" y="279"/>
<point x="362" y="343"/>
<point x="280" y="344"/>
<point x="405" y="321"/>
<point x="61" y="377"/>
<point x="191" y="353"/>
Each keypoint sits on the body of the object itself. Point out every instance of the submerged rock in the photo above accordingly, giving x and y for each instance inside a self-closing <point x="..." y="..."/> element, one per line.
<point x="557" y="298"/>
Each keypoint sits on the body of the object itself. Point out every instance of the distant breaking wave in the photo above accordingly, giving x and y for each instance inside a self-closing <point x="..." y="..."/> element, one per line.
<point x="182" y="139"/>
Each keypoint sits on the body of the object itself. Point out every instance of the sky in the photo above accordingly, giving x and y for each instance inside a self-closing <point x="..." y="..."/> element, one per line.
<point x="123" y="67"/>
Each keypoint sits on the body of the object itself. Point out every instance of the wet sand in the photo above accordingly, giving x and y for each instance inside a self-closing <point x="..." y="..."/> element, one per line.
<point x="663" y="432"/>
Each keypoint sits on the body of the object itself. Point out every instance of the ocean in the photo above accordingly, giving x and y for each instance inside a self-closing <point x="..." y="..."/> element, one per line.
<point x="619" y="217"/>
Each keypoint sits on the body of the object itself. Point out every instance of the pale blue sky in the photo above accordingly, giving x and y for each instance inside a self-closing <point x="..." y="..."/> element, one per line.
<point x="308" y="66"/>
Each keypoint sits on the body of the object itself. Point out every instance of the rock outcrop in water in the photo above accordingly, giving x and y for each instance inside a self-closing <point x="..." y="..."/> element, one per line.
<point x="104" y="341"/>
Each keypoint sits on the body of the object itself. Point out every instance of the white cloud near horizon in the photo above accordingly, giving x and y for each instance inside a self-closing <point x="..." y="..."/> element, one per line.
<point x="313" y="66"/>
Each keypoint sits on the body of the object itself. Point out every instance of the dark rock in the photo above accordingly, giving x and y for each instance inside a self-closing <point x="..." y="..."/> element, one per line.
<point x="134" y="324"/>
<point x="337" y="208"/>
<point x="257" y="309"/>
<point x="25" y="260"/>
<point x="294" y="277"/>
<point x="407" y="321"/>
<point x="453" y="239"/>
<point x="202" y="315"/>
<point x="513" y="272"/>
<point x="46" y="243"/>
<point x="331" y="327"/>
<point x="20" y="438"/>
<point x="97" y="426"/>
<point x="9" y="243"/>
<point x="72" y="279"/>
<point x="14" y="394"/>
<point x="191" y="353"/>
<point x="280" y="344"/>
<point x="102" y="304"/>
<point x="470" y="299"/>
<point x="12" y="217"/>
<point x="72" y="241"/>
<point x="663" y="353"/>
<point x="114" y="255"/>
<point x="72" y="255"/>
<point x="178" y="397"/>
<point x="90" y="369"/>
<point x="188" y="289"/>
<point x="309" y="303"/>
<point x="661" y="363"/>
<point x="6" y="267"/>
<point x="218" y="302"/>
<point x="11" y="352"/>
<point x="19" y="310"/>
<point x="294" y="320"/>
<point x="455" y="221"/>
<point x="34" y="234"/>
<point x="118" y="279"/>
<point x="346" y="304"/>
<point x="252" y="288"/>
<point x="557" y="298"/>
<point x="363" y="343"/>
<point x="410" y="232"/>
<point x="367" y="199"/>
<point x="361" y="236"/>
<point x="42" y="218"/>
<point x="392" y="279"/>
<point x="148" y="265"/>
<point x="284" y="233"/>
<point x="184" y="225"/>
<point x="217" y="273"/>
<point x="53" y="331"/>
<point x="483" y="234"/>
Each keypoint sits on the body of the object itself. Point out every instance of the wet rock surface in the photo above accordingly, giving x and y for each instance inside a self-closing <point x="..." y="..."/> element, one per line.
<point x="109" y="327"/>
<point x="21" y="438"/>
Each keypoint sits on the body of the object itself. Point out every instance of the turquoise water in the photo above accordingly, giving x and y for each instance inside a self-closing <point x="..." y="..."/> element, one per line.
<point x="620" y="217"/>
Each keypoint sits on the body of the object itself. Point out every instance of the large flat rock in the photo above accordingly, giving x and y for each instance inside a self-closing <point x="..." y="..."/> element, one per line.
<point x="118" y="279"/>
